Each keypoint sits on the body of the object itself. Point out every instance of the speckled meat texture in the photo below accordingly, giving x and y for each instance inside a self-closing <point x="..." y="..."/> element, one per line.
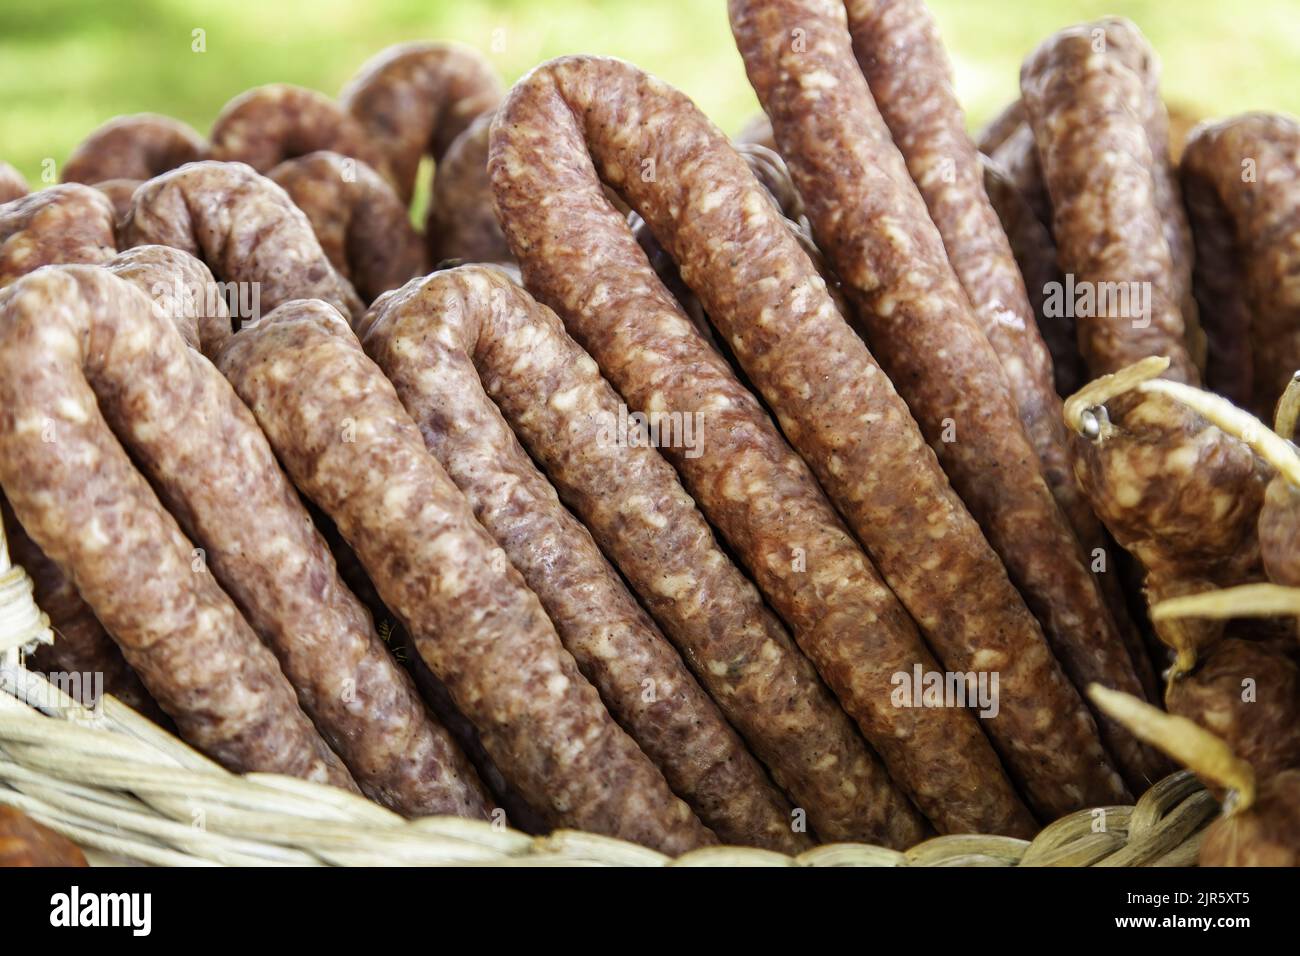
<point x="898" y="47"/>
<point x="140" y="147"/>
<point x="82" y="350"/>
<point x="1247" y="693"/>
<point x="462" y="222"/>
<point x="24" y="842"/>
<point x="1035" y="252"/>
<point x="12" y="184"/>
<point x="265" y="552"/>
<point x="427" y="338"/>
<point x="877" y="232"/>
<point x="579" y="256"/>
<point x="180" y="285"/>
<point x="81" y="645"/>
<point x="120" y="192"/>
<point x="1268" y="834"/>
<point x="1087" y="110"/>
<point x="414" y="99"/>
<point x="340" y="430"/>
<point x="266" y="125"/>
<point x="555" y="398"/>
<point x="1279" y="532"/>
<point x="1248" y="170"/>
<point x="245" y="228"/>
<point x="362" y="226"/>
<point x="61" y="224"/>
<point x="1180" y="495"/>
<point x="1124" y="40"/>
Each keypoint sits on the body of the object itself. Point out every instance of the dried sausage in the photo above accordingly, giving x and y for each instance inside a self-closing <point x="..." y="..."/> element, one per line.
<point x="361" y="224"/>
<point x="81" y="351"/>
<point x="265" y="552"/>
<point x="341" y="432"/>
<point x="1242" y="178"/>
<point x="266" y="125"/>
<point x="875" y="227"/>
<point x="246" y="229"/>
<point x="898" y="47"/>
<point x="63" y="224"/>
<point x="567" y="120"/>
<point x="1084" y="104"/>
<point x="414" y="99"/>
<point x="462" y="223"/>
<point x="426" y="338"/>
<point x="140" y="146"/>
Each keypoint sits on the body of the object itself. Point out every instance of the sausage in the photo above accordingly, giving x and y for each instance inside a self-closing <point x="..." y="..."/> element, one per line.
<point x="729" y="240"/>
<point x="12" y="184"/>
<point x="81" y="646"/>
<point x="268" y="124"/>
<point x="427" y="338"/>
<point x="64" y="224"/>
<point x="120" y="192"/>
<point x="915" y="314"/>
<point x="462" y="223"/>
<point x="1265" y="834"/>
<point x="24" y="842"/>
<point x="264" y="550"/>
<point x="630" y="498"/>
<point x="1176" y="491"/>
<point x="67" y="223"/>
<point x="246" y="229"/>
<point x="140" y="146"/>
<point x="897" y="44"/>
<point x="1035" y="253"/>
<point x="1247" y="693"/>
<point x="1261" y="821"/>
<point x="414" y="99"/>
<point x="362" y="226"/>
<point x="1108" y="227"/>
<point x="82" y="351"/>
<point x="341" y="432"/>
<point x="1242" y="178"/>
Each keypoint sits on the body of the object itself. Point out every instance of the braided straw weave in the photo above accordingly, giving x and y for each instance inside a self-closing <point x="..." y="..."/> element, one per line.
<point x="128" y="791"/>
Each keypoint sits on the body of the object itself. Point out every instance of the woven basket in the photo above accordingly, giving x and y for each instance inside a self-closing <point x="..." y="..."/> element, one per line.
<point x="128" y="792"/>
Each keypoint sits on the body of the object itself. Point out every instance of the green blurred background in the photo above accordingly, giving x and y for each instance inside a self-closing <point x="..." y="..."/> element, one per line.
<point x="67" y="65"/>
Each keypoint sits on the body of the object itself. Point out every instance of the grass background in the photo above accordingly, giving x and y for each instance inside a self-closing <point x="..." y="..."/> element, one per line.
<point x="68" y="65"/>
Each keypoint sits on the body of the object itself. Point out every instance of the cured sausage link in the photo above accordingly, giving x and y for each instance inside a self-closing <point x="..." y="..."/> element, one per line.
<point x="246" y="229"/>
<point x="139" y="147"/>
<point x="61" y="224"/>
<point x="762" y="292"/>
<point x="414" y="99"/>
<point x="264" y="550"/>
<point x="427" y="337"/>
<point x="897" y="45"/>
<point x="362" y="226"/>
<point x="839" y="408"/>
<point x="82" y="350"/>
<point x="1242" y="178"/>
<point x="567" y="415"/>
<point x="341" y="432"/>
<point x="1083" y="105"/>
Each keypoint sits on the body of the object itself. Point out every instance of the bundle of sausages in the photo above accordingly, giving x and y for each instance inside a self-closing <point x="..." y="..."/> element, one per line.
<point x="709" y="490"/>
